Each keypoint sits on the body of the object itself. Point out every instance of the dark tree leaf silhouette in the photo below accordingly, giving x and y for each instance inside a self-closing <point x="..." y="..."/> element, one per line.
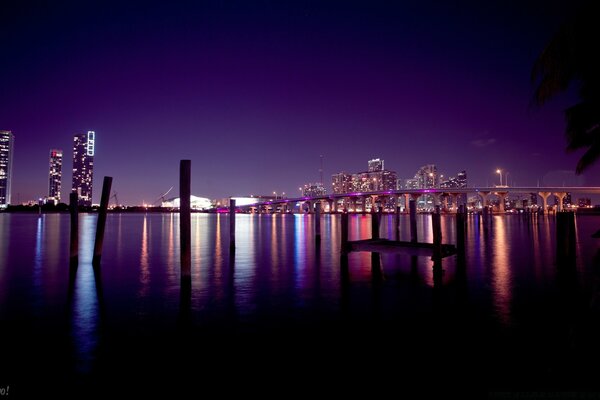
<point x="571" y="58"/>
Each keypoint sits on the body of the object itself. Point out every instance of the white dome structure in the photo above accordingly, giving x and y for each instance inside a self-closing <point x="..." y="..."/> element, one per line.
<point x="196" y="203"/>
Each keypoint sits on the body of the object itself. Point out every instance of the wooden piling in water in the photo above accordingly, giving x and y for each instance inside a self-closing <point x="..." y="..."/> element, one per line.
<point x="413" y="220"/>
<point x="565" y="236"/>
<point x="344" y="235"/>
<point x="436" y="226"/>
<point x="101" y="223"/>
<point x="185" y="227"/>
<point x="318" y="222"/>
<point x="460" y="229"/>
<point x="74" y="245"/>
<point x="397" y="223"/>
<point x="375" y="218"/>
<point x="231" y="224"/>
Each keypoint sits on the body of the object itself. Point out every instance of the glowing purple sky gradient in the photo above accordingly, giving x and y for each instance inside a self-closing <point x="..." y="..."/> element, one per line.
<point x="253" y="94"/>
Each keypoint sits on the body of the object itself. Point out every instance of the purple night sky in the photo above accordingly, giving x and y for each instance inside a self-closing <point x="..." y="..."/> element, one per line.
<point x="254" y="92"/>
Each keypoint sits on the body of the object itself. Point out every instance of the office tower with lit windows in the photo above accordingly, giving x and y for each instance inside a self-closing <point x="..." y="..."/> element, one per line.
<point x="341" y="182"/>
<point x="313" y="190"/>
<point x="55" y="176"/>
<point x="7" y="140"/>
<point x="375" y="165"/>
<point x="83" y="166"/>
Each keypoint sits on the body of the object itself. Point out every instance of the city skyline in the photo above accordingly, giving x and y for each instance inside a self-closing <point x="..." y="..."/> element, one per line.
<point x="254" y="95"/>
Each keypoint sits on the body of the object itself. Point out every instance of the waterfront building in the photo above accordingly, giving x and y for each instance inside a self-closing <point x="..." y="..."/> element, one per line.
<point x="341" y="183"/>
<point x="313" y="190"/>
<point x="83" y="166"/>
<point x="7" y="140"/>
<point x="55" y="176"/>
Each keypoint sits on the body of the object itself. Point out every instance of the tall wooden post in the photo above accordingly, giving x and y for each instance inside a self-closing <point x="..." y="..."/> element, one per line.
<point x="101" y="224"/>
<point x="232" y="224"/>
<point x="565" y="236"/>
<point x="185" y="227"/>
<point x="318" y="222"/>
<point x="413" y="220"/>
<point x="436" y="226"/>
<point x="74" y="211"/>
<point x="375" y="218"/>
<point x="344" y="235"/>
<point x="460" y="229"/>
<point x="397" y="222"/>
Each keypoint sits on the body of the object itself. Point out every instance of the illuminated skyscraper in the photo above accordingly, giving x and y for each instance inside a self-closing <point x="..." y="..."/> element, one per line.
<point x="313" y="190"/>
<point x="7" y="140"/>
<point x="83" y="166"/>
<point x="375" y="165"/>
<point x="341" y="182"/>
<point x="55" y="175"/>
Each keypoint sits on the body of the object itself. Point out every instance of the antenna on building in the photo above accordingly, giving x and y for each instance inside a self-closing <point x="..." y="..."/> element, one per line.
<point x="321" y="169"/>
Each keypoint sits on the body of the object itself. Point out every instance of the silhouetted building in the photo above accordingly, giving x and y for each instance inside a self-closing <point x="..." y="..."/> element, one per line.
<point x="462" y="179"/>
<point x="83" y="166"/>
<point x="533" y="199"/>
<point x="584" y="202"/>
<point x="341" y="182"/>
<point x="566" y="201"/>
<point x="55" y="176"/>
<point x="7" y="140"/>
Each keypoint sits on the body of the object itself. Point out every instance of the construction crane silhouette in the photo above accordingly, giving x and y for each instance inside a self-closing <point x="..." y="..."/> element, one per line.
<point x="162" y="196"/>
<point x="114" y="196"/>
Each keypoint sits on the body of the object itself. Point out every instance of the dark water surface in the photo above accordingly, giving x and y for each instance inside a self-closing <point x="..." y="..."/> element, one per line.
<point x="282" y="316"/>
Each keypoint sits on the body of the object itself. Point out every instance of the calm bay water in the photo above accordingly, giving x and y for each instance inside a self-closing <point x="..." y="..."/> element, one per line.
<point x="506" y="317"/>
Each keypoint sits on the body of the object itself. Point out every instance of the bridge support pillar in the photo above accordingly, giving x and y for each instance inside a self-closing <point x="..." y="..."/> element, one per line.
<point x="454" y="197"/>
<point x="436" y="199"/>
<point x="311" y="206"/>
<point x="332" y="206"/>
<point x="561" y="197"/>
<point x="406" y="202"/>
<point x="502" y="200"/>
<point x="484" y="198"/>
<point x="544" y="196"/>
<point x="364" y="207"/>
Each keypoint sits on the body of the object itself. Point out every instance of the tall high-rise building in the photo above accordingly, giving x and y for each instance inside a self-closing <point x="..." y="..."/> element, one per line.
<point x="341" y="182"/>
<point x="83" y="166"/>
<point x="459" y="181"/>
<point x="55" y="175"/>
<point x="313" y="190"/>
<point x="7" y="140"/>
<point x="375" y="165"/>
<point x="376" y="178"/>
<point x="426" y="178"/>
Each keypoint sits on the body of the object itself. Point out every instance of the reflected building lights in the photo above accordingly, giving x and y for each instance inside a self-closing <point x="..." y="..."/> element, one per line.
<point x="144" y="264"/>
<point x="502" y="279"/>
<point x="86" y="314"/>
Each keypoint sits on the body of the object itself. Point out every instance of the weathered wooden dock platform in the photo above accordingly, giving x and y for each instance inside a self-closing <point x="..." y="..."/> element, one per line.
<point x="395" y="246"/>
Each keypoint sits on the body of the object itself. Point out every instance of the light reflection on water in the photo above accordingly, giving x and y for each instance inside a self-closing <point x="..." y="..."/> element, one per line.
<point x="501" y="275"/>
<point x="85" y="300"/>
<point x="277" y="272"/>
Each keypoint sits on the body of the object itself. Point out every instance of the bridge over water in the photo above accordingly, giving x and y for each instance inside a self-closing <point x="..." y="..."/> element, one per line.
<point x="351" y="201"/>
